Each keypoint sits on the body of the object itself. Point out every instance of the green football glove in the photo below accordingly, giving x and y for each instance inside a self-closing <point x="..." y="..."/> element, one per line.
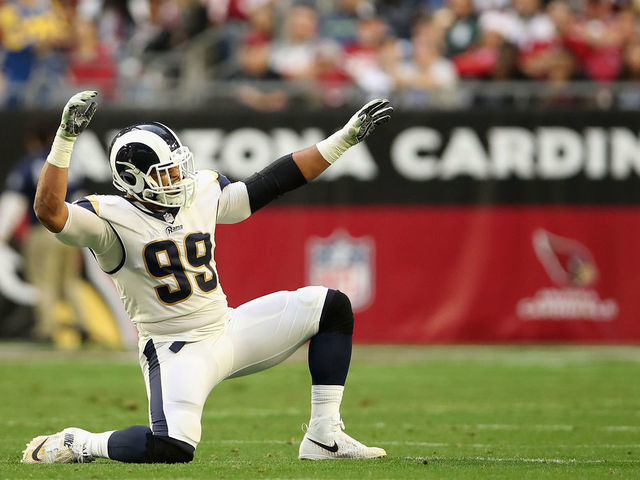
<point x="359" y="127"/>
<point x="77" y="114"/>
<point x="365" y="120"/>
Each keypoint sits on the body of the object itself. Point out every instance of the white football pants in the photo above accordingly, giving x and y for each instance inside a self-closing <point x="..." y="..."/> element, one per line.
<point x="260" y="334"/>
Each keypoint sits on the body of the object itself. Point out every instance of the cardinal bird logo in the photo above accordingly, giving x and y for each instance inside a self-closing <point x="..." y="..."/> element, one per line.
<point x="572" y="269"/>
<point x="567" y="261"/>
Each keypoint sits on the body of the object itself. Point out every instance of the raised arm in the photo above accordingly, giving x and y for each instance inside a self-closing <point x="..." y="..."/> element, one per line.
<point x="51" y="191"/>
<point x="314" y="160"/>
<point x="241" y="199"/>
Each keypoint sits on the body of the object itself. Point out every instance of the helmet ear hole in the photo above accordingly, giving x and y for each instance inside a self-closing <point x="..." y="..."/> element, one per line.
<point x="135" y="183"/>
<point x="128" y="178"/>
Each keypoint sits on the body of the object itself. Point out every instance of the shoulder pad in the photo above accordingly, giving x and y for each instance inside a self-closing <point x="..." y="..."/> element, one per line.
<point x="218" y="177"/>
<point x="90" y="202"/>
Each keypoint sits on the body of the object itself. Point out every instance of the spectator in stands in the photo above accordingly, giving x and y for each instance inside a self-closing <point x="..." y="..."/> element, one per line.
<point x="528" y="28"/>
<point x="91" y="63"/>
<point x="631" y="69"/>
<point x="482" y="6"/>
<point x="401" y="14"/>
<point x="174" y="23"/>
<point x="362" y="61"/>
<point x="253" y="76"/>
<point x="427" y="78"/>
<point x="342" y="22"/>
<point x="232" y="19"/>
<point x="463" y="31"/>
<point x="261" y="20"/>
<point x="630" y="98"/>
<point x="222" y="11"/>
<point x="597" y="37"/>
<point x="258" y="22"/>
<point x="294" y="54"/>
<point x="475" y="52"/>
<point x="115" y="24"/>
<point x="563" y="68"/>
<point x="492" y="57"/>
<point x="330" y="75"/>
<point x="32" y="32"/>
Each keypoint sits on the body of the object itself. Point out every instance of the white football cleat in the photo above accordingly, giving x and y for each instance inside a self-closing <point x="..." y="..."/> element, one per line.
<point x="325" y="440"/>
<point x="67" y="446"/>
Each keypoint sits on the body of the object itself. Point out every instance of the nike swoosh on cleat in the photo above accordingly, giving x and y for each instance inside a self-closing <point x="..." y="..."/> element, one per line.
<point x="332" y="449"/>
<point x="34" y="455"/>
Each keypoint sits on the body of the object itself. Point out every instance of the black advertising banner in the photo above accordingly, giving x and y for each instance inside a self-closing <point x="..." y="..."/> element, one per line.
<point x="443" y="227"/>
<point x="430" y="158"/>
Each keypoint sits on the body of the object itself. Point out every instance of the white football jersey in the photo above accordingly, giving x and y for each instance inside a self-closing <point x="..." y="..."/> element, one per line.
<point x="167" y="279"/>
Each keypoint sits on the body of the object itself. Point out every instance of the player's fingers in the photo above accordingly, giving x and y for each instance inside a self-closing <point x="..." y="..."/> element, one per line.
<point x="382" y="112"/>
<point x="88" y="94"/>
<point x="80" y="98"/>
<point x="382" y="120"/>
<point x="373" y="105"/>
<point x="366" y="131"/>
<point x="90" y="110"/>
<point x="383" y="103"/>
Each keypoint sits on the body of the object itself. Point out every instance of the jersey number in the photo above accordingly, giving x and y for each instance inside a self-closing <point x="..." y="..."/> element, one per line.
<point x="163" y="260"/>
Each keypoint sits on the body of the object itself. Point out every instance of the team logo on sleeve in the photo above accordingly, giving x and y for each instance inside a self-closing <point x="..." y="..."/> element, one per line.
<point x="345" y="263"/>
<point x="572" y="268"/>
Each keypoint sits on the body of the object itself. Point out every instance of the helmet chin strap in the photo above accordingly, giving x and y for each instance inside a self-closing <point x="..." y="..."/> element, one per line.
<point x="154" y="207"/>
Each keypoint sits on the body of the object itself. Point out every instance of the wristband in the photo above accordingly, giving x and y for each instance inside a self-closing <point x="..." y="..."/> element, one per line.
<point x="60" y="154"/>
<point x="333" y="147"/>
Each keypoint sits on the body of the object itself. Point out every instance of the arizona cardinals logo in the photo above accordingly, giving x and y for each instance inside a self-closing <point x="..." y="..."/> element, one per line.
<point x="568" y="262"/>
<point x="571" y="267"/>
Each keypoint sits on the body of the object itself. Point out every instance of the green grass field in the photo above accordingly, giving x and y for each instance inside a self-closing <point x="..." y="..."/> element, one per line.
<point x="441" y="412"/>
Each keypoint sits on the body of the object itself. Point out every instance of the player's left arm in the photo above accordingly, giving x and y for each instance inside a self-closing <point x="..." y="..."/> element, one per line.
<point x="240" y="199"/>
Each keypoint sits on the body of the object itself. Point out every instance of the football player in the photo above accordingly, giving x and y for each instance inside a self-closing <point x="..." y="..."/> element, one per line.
<point x="157" y="241"/>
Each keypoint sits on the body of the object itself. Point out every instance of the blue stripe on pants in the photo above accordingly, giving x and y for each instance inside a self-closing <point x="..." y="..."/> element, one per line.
<point x="158" y="420"/>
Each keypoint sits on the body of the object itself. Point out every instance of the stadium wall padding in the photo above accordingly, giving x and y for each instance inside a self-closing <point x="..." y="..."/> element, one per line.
<point x="472" y="226"/>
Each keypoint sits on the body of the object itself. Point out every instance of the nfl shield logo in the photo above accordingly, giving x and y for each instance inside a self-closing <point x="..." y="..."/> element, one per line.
<point x="344" y="263"/>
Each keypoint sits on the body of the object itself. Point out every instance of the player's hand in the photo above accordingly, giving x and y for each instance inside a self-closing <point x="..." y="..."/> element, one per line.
<point x="365" y="120"/>
<point x="77" y="114"/>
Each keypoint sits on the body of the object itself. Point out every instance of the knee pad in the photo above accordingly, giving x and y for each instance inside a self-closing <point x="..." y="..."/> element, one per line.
<point x="168" y="450"/>
<point x="337" y="315"/>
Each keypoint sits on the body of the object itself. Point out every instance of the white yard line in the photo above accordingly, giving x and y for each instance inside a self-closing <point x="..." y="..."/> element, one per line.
<point x="560" y="461"/>
<point x="499" y="426"/>
<point x="621" y="428"/>
<point x="546" y="427"/>
<point x="398" y="443"/>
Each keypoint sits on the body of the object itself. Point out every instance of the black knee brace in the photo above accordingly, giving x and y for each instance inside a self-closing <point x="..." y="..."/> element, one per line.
<point x="168" y="450"/>
<point x="337" y="315"/>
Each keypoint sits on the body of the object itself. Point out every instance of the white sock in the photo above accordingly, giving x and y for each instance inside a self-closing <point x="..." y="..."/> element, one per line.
<point x="97" y="444"/>
<point x="325" y="401"/>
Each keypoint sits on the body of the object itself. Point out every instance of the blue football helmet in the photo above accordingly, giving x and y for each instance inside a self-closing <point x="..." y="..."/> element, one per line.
<point x="144" y="158"/>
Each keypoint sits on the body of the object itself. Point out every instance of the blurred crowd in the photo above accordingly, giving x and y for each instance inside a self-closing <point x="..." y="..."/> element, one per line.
<point x="264" y="53"/>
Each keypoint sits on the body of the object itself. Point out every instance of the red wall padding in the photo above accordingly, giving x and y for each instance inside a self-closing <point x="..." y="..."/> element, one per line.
<point x="452" y="274"/>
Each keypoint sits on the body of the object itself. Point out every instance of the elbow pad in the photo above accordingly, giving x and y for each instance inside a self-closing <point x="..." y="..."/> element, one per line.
<point x="280" y="177"/>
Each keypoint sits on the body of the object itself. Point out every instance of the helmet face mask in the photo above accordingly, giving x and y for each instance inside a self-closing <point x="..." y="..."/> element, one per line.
<point x="149" y="163"/>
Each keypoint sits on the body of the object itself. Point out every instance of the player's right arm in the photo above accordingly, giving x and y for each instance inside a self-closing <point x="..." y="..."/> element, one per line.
<point x="73" y="224"/>
<point x="49" y="205"/>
